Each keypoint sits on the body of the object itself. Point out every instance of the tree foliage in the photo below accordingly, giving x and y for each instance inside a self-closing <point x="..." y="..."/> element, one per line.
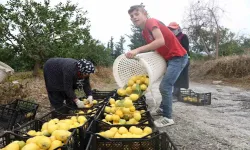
<point x="32" y="32"/>
<point x="136" y="38"/>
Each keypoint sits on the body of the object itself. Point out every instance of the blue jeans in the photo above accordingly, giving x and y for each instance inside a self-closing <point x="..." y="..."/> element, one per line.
<point x="175" y="67"/>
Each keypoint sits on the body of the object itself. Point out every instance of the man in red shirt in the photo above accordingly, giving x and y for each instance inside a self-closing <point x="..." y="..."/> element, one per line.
<point x="162" y="40"/>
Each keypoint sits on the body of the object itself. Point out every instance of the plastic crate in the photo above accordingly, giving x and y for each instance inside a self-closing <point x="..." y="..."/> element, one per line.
<point x="102" y="94"/>
<point x="7" y="117"/>
<point x="191" y="97"/>
<point x="100" y="125"/>
<point x="8" y="137"/>
<point x="25" y="111"/>
<point x="37" y="125"/>
<point x="157" y="141"/>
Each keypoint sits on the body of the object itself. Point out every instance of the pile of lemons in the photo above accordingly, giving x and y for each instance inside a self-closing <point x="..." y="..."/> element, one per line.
<point x="134" y="87"/>
<point x="53" y="134"/>
<point x="122" y="112"/>
<point x="123" y="132"/>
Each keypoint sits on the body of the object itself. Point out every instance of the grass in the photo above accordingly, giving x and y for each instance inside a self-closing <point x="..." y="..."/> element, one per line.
<point x="232" y="70"/>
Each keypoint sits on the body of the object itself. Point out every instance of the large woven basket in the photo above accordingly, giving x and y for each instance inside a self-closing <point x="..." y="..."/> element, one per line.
<point x="150" y="63"/>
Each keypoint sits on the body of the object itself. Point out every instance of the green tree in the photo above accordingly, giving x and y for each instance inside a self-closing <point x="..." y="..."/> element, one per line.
<point x="136" y="38"/>
<point x="119" y="47"/>
<point x="111" y="46"/>
<point x="36" y="31"/>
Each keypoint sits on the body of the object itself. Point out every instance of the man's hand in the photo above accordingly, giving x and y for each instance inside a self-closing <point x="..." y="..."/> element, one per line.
<point x="79" y="103"/>
<point x="90" y="99"/>
<point x="131" y="54"/>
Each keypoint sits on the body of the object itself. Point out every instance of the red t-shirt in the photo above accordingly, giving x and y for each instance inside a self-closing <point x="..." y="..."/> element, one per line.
<point x="172" y="47"/>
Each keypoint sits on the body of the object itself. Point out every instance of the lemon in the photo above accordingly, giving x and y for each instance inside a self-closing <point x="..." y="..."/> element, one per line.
<point x="113" y="109"/>
<point x="127" y="103"/>
<point x="138" y="81"/>
<point x="81" y="119"/>
<point x="131" y="129"/>
<point x="125" y="110"/>
<point x="123" y="130"/>
<point x="147" y="130"/>
<point x="114" y="129"/>
<point x="134" y="78"/>
<point x="55" y="144"/>
<point x="107" y="109"/>
<point x="121" y="92"/>
<point x="73" y="118"/>
<point x="137" y="116"/>
<point x="112" y="101"/>
<point x="143" y="87"/>
<point x="61" y="135"/>
<point x="12" y="146"/>
<point x="134" y="97"/>
<point x="132" y="108"/>
<point x="130" y="82"/>
<point x="108" y="118"/>
<point x="52" y="128"/>
<point x="134" y="87"/>
<point x="115" y="118"/>
<point x="122" y="121"/>
<point x="129" y="90"/>
<point x="63" y="126"/>
<point x="138" y="131"/>
<point x="44" y="142"/>
<point x="32" y="133"/>
<point x="119" y="113"/>
<point x="94" y="102"/>
<point x="31" y="146"/>
<point x="117" y="135"/>
<point x="44" y="126"/>
<point x="109" y="134"/>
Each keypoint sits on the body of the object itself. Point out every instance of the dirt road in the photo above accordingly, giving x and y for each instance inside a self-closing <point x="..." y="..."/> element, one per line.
<point x="223" y="125"/>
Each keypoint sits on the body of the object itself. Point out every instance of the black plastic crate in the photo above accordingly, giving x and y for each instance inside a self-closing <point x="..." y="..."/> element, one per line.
<point x="146" y="120"/>
<point x="72" y="142"/>
<point x="199" y="99"/>
<point x="32" y="125"/>
<point x="25" y="111"/>
<point x="8" y="137"/>
<point x="7" y="117"/>
<point x="102" y="94"/>
<point x="157" y="141"/>
<point x="68" y="110"/>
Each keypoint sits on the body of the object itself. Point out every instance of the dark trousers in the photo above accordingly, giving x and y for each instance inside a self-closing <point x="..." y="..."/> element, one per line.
<point x="57" y="99"/>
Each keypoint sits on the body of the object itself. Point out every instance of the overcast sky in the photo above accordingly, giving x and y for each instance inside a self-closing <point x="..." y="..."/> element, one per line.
<point x="110" y="18"/>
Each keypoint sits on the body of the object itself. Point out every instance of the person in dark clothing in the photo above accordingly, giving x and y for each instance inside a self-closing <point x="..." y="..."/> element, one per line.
<point x="61" y="76"/>
<point x="183" y="79"/>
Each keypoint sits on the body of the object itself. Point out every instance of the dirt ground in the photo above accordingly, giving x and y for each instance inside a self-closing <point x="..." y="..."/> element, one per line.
<point x="223" y="125"/>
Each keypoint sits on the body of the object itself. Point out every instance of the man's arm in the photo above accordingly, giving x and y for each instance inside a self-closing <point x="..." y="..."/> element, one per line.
<point x="159" y="41"/>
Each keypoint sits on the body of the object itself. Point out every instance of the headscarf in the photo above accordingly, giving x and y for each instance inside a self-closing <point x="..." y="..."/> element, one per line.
<point x="85" y="66"/>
